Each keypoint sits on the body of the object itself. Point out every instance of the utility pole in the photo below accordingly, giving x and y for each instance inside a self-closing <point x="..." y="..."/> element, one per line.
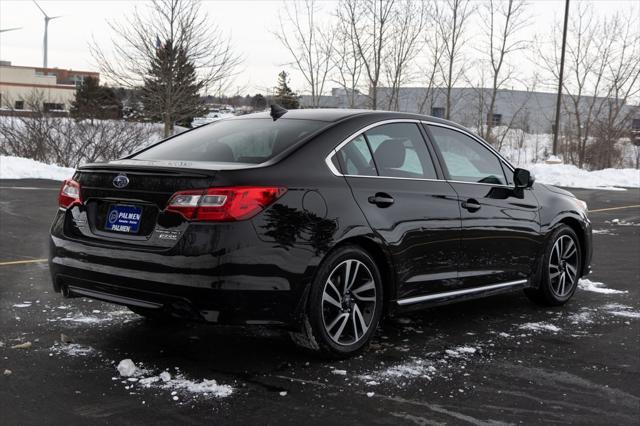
<point x="556" y="129"/>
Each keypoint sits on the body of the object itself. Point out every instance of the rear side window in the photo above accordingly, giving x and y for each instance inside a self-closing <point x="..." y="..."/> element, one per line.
<point x="399" y="150"/>
<point x="355" y="158"/>
<point x="253" y="140"/>
<point x="466" y="159"/>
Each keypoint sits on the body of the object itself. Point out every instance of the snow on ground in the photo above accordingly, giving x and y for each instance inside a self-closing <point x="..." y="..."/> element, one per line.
<point x="540" y="326"/>
<point x="603" y="232"/>
<point x="178" y="383"/>
<point x="597" y="287"/>
<point x="24" y="168"/>
<point x="71" y="349"/>
<point x="619" y="310"/>
<point x="570" y="176"/>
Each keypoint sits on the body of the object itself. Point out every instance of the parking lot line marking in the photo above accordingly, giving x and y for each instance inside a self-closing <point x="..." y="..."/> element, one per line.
<point x="614" y="208"/>
<point x="21" y="262"/>
<point x="31" y="188"/>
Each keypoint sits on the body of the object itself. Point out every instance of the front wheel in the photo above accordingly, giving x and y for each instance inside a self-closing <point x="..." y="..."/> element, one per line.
<point x="344" y="306"/>
<point x="561" y="268"/>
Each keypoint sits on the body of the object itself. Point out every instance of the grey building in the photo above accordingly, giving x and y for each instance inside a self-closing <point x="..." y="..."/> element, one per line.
<point x="530" y="111"/>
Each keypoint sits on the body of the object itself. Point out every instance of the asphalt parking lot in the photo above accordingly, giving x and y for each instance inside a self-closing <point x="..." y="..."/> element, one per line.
<point x="499" y="360"/>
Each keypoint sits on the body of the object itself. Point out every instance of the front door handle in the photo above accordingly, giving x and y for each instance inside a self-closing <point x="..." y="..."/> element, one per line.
<point x="381" y="199"/>
<point x="471" y="205"/>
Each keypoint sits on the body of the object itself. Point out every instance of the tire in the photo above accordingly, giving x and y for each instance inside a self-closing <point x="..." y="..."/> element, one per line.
<point x="339" y="321"/>
<point x="560" y="271"/>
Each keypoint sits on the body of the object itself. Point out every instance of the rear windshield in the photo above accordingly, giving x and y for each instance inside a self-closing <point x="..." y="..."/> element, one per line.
<point x="233" y="141"/>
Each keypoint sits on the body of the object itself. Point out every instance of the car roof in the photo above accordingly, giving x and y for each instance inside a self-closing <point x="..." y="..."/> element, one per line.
<point x="338" y="114"/>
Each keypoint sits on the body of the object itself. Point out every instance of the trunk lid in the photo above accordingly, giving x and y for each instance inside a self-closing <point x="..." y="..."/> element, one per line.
<point x="142" y="189"/>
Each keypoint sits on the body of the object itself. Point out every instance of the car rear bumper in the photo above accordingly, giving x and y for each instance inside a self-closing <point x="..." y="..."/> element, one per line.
<point x="226" y="280"/>
<point x="216" y="306"/>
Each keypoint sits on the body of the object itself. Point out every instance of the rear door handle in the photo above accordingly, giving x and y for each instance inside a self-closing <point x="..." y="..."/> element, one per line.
<point x="471" y="205"/>
<point x="381" y="199"/>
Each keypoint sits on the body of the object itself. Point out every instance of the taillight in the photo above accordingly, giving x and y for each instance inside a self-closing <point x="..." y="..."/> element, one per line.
<point x="224" y="204"/>
<point x="69" y="194"/>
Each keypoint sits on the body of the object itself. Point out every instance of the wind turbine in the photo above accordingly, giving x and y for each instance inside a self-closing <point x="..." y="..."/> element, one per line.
<point x="10" y="29"/>
<point x="47" y="18"/>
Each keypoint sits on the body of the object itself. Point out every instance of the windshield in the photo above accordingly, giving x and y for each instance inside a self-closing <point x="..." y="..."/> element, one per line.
<point x="251" y="141"/>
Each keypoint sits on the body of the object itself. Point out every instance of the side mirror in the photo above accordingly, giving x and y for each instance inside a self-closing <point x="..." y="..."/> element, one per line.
<point x="522" y="178"/>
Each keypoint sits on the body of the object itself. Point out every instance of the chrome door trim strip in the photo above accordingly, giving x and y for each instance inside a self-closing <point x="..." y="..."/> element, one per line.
<point x="425" y="298"/>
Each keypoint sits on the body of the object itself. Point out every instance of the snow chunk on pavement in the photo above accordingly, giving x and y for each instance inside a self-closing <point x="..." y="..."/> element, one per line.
<point x="461" y="351"/>
<point x="127" y="368"/>
<point x="540" y="326"/>
<point x="597" y="287"/>
<point x="72" y="349"/>
<point x="23" y="168"/>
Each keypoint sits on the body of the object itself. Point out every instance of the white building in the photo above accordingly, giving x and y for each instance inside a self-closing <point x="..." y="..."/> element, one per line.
<point x="54" y="87"/>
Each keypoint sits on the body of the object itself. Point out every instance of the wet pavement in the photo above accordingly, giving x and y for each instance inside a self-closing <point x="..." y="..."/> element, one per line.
<point x="499" y="360"/>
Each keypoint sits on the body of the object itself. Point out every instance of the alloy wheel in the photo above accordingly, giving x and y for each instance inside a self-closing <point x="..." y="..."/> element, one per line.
<point x="348" y="302"/>
<point x="563" y="266"/>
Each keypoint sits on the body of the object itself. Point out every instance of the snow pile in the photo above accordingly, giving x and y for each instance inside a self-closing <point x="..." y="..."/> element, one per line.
<point x="540" y="326"/>
<point x="207" y="387"/>
<point x="596" y="287"/>
<point x="570" y="176"/>
<point x="24" y="168"/>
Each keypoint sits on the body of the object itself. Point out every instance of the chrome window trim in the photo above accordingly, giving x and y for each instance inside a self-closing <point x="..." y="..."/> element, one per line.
<point x="435" y="296"/>
<point x="335" y="150"/>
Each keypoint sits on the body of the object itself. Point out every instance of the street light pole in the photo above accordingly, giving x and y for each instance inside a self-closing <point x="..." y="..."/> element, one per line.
<point x="556" y="129"/>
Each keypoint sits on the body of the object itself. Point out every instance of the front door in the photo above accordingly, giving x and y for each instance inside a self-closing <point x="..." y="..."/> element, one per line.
<point x="415" y="212"/>
<point x="500" y="223"/>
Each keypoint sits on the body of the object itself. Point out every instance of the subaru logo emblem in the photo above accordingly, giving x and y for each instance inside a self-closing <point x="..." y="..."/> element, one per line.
<point x="120" y="181"/>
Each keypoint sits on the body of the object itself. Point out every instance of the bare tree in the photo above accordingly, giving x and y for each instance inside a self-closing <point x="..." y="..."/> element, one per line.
<point x="452" y="24"/>
<point x="603" y="62"/>
<point x="308" y="43"/>
<point x="407" y="24"/>
<point x="347" y="62"/>
<point x="502" y="20"/>
<point x="433" y="49"/>
<point x="50" y="138"/>
<point x="187" y="27"/>
<point x="371" y="23"/>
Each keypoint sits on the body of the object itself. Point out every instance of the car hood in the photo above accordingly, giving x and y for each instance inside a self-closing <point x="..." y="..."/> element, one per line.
<point x="557" y="190"/>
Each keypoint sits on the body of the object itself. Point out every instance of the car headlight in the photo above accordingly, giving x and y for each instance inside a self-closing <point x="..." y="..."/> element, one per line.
<point x="581" y="205"/>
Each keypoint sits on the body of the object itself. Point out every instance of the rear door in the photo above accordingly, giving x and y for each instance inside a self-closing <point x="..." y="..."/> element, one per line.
<point x="396" y="184"/>
<point x="500" y="225"/>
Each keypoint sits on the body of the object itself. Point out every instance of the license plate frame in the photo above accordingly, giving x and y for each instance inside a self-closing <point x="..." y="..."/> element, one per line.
<point x="123" y="218"/>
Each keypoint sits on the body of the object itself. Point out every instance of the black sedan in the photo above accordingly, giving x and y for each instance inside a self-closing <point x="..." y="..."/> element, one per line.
<point x="320" y="221"/>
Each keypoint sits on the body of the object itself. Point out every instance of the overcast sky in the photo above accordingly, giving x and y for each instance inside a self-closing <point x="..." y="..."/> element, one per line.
<point x="247" y="22"/>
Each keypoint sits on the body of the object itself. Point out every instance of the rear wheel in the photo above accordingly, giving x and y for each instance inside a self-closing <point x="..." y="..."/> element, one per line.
<point x="562" y="264"/>
<point x="344" y="306"/>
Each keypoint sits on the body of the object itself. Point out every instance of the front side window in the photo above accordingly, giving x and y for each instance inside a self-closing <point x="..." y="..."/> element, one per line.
<point x="466" y="159"/>
<point x="250" y="140"/>
<point x="399" y="150"/>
